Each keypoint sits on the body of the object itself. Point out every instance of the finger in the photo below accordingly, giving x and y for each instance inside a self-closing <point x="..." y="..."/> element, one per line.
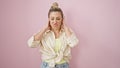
<point x="63" y="21"/>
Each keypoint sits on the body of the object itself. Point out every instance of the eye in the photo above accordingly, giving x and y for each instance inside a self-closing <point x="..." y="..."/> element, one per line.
<point x="52" y="18"/>
<point x="57" y="18"/>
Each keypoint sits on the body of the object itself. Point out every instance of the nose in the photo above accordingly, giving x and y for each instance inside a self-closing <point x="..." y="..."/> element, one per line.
<point x="55" y="20"/>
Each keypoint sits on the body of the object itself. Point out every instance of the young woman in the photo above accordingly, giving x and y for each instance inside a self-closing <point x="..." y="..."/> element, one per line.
<point x="55" y="40"/>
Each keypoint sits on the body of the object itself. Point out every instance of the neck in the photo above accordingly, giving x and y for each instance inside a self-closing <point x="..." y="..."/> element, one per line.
<point x="56" y="32"/>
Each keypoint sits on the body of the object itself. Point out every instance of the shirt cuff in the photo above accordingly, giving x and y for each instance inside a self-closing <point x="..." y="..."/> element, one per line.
<point x="72" y="40"/>
<point x="32" y="42"/>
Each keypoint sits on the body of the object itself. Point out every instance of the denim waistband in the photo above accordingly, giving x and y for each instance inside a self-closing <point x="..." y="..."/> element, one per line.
<point x="63" y="65"/>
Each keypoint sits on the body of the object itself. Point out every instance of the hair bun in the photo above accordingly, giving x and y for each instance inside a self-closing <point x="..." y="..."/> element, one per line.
<point x="54" y="5"/>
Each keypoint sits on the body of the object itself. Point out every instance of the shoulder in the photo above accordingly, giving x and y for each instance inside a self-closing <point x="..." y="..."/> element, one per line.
<point x="48" y="33"/>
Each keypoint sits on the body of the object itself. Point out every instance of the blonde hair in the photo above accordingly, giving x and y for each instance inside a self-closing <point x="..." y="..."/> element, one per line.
<point x="55" y="8"/>
<point x="55" y="5"/>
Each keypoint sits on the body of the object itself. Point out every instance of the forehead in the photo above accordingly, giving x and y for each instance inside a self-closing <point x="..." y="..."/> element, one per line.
<point x="55" y="14"/>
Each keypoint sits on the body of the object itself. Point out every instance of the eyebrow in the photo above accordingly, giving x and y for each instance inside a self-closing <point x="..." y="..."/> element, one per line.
<point x="55" y="17"/>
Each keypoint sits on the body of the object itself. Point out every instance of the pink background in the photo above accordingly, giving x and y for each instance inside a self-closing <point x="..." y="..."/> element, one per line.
<point x="95" y="22"/>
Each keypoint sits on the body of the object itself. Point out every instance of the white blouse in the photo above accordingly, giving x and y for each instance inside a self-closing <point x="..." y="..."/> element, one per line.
<point x="47" y="45"/>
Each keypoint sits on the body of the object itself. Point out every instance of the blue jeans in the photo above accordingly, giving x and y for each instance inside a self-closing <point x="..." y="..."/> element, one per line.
<point x="64" y="65"/>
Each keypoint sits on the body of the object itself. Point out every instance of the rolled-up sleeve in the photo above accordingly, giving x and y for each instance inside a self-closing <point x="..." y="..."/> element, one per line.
<point x="72" y="40"/>
<point x="32" y="43"/>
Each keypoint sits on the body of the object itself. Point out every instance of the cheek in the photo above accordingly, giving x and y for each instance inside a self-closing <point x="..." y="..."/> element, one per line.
<point x="51" y="23"/>
<point x="60" y="22"/>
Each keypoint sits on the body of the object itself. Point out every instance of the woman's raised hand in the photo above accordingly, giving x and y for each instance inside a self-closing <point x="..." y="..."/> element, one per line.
<point x="64" y="25"/>
<point x="39" y="35"/>
<point x="66" y="29"/>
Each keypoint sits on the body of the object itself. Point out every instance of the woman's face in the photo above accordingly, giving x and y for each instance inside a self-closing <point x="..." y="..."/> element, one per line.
<point x="55" y="20"/>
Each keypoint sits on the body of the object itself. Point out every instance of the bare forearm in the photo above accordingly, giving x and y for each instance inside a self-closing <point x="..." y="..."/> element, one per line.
<point x="68" y="32"/>
<point x="39" y="35"/>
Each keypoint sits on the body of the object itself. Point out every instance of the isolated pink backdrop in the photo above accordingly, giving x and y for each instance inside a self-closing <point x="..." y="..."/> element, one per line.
<point x="95" y="22"/>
